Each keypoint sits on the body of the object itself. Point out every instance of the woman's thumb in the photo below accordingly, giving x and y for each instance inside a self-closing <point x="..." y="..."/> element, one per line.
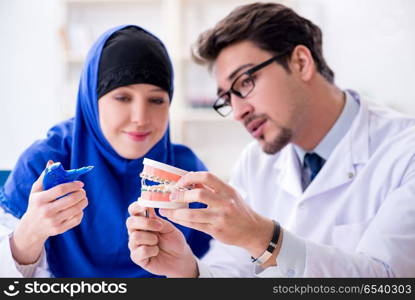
<point x="37" y="185"/>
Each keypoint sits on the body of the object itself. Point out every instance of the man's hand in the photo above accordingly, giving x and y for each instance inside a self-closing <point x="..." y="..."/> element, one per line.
<point x="227" y="218"/>
<point x="158" y="246"/>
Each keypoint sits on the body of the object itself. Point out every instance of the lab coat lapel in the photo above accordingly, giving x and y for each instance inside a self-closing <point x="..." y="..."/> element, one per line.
<point x="289" y="171"/>
<point x="338" y="170"/>
<point x="353" y="150"/>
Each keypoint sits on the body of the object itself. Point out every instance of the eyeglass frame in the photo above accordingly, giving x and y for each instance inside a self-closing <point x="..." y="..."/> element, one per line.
<point x="231" y="90"/>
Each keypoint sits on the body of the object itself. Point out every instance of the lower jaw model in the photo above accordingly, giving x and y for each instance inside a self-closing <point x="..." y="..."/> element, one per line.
<point x="158" y="195"/>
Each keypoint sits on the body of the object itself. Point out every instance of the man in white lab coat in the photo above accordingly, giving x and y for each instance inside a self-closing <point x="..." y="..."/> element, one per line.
<point x="326" y="190"/>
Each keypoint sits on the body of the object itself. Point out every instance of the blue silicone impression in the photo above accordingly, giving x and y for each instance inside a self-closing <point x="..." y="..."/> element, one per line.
<point x="55" y="174"/>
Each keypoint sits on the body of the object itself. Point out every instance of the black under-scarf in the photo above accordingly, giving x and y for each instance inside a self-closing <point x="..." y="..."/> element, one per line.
<point x="132" y="56"/>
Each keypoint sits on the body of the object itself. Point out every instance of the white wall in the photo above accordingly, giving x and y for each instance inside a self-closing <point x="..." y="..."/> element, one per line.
<point x="370" y="44"/>
<point x="30" y="74"/>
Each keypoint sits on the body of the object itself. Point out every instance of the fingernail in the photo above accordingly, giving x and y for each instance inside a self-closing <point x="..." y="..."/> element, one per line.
<point x="80" y="183"/>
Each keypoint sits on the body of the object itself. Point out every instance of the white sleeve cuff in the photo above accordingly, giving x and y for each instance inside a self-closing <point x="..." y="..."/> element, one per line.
<point x="8" y="267"/>
<point x="203" y="268"/>
<point x="29" y="270"/>
<point x="291" y="259"/>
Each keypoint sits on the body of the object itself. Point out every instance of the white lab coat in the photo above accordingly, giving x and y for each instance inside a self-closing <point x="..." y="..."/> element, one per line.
<point x="356" y="219"/>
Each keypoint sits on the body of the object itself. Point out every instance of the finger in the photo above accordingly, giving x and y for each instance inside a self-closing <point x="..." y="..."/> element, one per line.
<point x="135" y="209"/>
<point x="203" y="178"/>
<point x="201" y="215"/>
<point x="72" y="222"/>
<point x="135" y="258"/>
<point x="73" y="210"/>
<point x="62" y="190"/>
<point x="144" y="252"/>
<point x="203" y="227"/>
<point x="138" y="238"/>
<point x="38" y="184"/>
<point x="69" y="200"/>
<point x="196" y="195"/>
<point x="143" y="223"/>
<point x="151" y="212"/>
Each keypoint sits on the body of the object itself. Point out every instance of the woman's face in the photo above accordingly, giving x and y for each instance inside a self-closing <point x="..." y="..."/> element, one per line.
<point x="134" y="118"/>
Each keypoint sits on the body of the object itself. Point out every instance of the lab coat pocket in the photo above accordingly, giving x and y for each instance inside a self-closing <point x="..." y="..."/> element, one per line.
<point x="347" y="236"/>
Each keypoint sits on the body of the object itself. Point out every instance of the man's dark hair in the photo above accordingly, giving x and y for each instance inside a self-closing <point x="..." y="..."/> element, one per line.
<point x="270" y="26"/>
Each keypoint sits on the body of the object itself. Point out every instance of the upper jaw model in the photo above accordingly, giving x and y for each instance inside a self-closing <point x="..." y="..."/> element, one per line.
<point x="158" y="195"/>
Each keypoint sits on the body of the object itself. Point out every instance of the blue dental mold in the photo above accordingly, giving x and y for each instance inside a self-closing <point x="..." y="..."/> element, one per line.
<point x="55" y="174"/>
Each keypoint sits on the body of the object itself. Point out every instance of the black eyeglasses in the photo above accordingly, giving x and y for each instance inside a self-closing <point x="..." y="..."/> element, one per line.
<point x="242" y="86"/>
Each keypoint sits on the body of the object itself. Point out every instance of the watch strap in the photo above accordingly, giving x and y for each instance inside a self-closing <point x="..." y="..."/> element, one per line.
<point x="271" y="246"/>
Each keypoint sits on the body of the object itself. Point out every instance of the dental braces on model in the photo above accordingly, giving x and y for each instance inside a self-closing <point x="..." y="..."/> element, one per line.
<point x="158" y="195"/>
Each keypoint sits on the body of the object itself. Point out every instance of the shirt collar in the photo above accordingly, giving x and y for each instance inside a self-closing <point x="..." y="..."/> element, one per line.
<point x="336" y="133"/>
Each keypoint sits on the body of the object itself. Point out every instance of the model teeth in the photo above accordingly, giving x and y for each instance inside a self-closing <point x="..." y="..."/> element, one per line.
<point x="165" y="186"/>
<point x="157" y="188"/>
<point x="155" y="178"/>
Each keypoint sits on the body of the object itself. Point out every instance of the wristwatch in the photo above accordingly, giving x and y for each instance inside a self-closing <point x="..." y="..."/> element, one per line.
<point x="271" y="246"/>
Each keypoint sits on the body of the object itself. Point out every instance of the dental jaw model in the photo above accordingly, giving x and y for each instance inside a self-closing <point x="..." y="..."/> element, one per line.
<point x="158" y="195"/>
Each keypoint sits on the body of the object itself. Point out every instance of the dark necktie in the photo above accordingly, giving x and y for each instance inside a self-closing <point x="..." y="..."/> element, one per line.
<point x="314" y="162"/>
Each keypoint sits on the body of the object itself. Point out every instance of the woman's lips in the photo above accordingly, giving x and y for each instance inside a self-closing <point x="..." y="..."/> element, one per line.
<point x="138" y="136"/>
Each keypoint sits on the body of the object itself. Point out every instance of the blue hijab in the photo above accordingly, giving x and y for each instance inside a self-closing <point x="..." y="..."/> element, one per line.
<point x="98" y="247"/>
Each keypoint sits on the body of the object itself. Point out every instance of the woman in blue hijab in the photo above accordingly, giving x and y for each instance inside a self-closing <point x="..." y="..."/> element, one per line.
<point x="123" y="102"/>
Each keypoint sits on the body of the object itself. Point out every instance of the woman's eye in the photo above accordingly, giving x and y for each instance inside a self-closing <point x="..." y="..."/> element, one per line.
<point x="157" y="100"/>
<point x="122" y="98"/>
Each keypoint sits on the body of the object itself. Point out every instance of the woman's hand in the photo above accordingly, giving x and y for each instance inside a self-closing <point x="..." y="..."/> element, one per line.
<point x="46" y="216"/>
<point x="157" y="245"/>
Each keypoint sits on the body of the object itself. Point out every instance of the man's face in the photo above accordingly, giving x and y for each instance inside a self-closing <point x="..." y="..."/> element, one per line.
<point x="273" y="110"/>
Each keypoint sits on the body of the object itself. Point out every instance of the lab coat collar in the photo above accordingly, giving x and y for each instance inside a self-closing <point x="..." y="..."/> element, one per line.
<point x="339" y="169"/>
<point x="359" y="141"/>
<point x="289" y="168"/>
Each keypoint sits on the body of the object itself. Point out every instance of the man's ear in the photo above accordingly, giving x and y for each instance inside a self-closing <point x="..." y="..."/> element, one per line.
<point x="302" y="63"/>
